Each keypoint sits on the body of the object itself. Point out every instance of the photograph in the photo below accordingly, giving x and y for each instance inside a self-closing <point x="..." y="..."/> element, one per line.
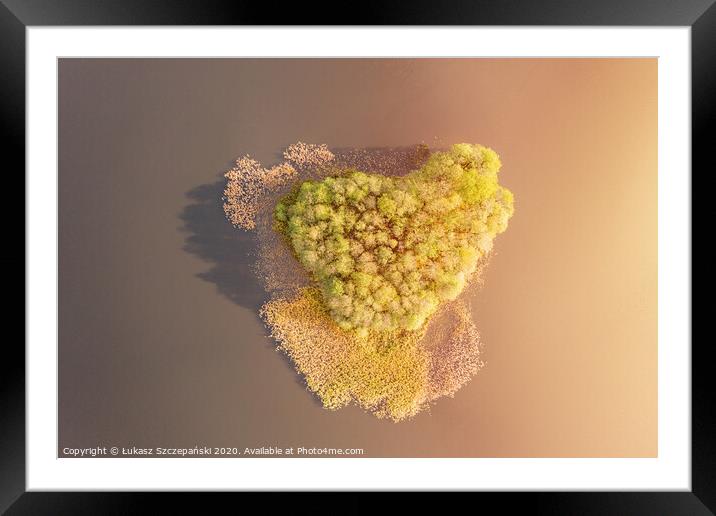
<point x="357" y="257"/>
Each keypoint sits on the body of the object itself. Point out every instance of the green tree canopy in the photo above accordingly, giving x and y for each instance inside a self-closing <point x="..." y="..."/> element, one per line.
<point x="386" y="251"/>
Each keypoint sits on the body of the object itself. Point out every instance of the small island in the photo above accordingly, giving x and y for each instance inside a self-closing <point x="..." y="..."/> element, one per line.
<point x="367" y="271"/>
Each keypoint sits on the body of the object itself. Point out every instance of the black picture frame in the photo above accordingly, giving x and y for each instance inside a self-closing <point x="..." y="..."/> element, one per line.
<point x="17" y="15"/>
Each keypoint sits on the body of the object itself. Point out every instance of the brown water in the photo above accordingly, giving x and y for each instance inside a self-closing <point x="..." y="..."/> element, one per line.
<point x="160" y="342"/>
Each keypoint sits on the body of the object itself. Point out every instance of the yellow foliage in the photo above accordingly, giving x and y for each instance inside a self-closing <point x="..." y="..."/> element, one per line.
<point x="385" y="372"/>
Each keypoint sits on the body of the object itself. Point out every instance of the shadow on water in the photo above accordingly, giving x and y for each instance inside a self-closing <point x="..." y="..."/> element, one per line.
<point x="228" y="250"/>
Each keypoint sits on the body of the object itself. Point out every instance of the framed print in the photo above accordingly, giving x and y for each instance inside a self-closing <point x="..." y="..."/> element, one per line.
<point x="424" y="252"/>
